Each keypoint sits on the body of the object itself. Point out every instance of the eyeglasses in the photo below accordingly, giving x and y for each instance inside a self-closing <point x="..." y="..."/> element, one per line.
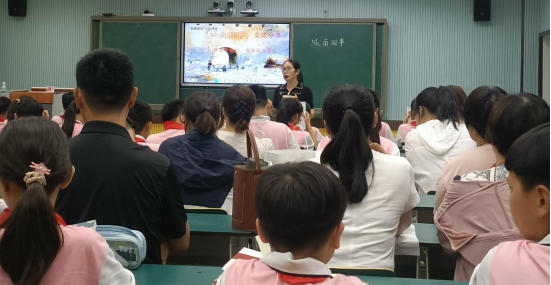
<point x="287" y="69"/>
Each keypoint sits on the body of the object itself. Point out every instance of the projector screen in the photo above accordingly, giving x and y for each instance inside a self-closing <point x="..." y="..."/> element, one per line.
<point x="227" y="54"/>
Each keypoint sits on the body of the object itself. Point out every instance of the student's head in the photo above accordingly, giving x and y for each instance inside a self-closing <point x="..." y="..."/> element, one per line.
<point x="202" y="112"/>
<point x="173" y="111"/>
<point x="31" y="239"/>
<point x="4" y="105"/>
<point x="291" y="71"/>
<point x="239" y="103"/>
<point x="28" y="108"/>
<point x="261" y="100"/>
<point x="460" y="98"/>
<point x="438" y="103"/>
<point x="300" y="207"/>
<point x="349" y="115"/>
<point x="14" y="105"/>
<point x="142" y="118"/>
<point x="70" y="118"/>
<point x="528" y="164"/>
<point x="289" y="112"/>
<point x="105" y="83"/>
<point x="512" y="116"/>
<point x="66" y="99"/>
<point x="478" y="106"/>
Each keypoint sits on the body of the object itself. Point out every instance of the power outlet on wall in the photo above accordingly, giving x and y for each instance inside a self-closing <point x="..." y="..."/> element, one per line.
<point x="325" y="13"/>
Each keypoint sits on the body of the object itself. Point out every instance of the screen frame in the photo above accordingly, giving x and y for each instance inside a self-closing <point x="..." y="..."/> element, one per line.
<point x="226" y="85"/>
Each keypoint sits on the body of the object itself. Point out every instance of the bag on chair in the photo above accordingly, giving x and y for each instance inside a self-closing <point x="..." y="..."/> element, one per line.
<point x="245" y="179"/>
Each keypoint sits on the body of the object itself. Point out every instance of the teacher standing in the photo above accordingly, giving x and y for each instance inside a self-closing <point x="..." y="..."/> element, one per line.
<point x="294" y="87"/>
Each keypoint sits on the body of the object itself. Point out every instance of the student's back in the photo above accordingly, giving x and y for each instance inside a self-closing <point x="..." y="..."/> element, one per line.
<point x="173" y="121"/>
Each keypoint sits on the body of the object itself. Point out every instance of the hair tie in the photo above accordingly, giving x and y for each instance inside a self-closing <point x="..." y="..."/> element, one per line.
<point x="347" y="108"/>
<point x="38" y="175"/>
<point x="204" y="110"/>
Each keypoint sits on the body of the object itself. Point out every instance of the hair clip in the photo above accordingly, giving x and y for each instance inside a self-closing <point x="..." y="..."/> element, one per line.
<point x="40" y="168"/>
<point x="38" y="175"/>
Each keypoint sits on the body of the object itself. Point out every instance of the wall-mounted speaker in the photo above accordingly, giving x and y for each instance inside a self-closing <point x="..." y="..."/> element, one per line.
<point x="17" y="8"/>
<point x="482" y="10"/>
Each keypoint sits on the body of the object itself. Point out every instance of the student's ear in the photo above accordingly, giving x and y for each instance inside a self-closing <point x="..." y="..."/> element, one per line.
<point x="148" y="127"/>
<point x="375" y="119"/>
<point x="79" y="101"/>
<point x="15" y="116"/>
<point x="69" y="179"/>
<point x="45" y="114"/>
<point x="326" y="128"/>
<point x="542" y="193"/>
<point x="420" y="113"/>
<point x="182" y="119"/>
<point x="260" y="232"/>
<point x="4" y="189"/>
<point x="133" y="97"/>
<point x="296" y="117"/>
<point x="335" y="238"/>
<point x="224" y="113"/>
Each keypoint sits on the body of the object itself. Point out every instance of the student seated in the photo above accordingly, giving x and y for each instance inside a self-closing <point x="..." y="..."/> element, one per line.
<point x="381" y="189"/>
<point x="319" y="136"/>
<point x="140" y="118"/>
<point x="238" y="105"/>
<point x="476" y="113"/>
<point x="36" y="245"/>
<point x="300" y="209"/>
<point x="289" y="113"/>
<point x="66" y="99"/>
<point x="4" y="106"/>
<point x="387" y="144"/>
<point x="282" y="137"/>
<point x="524" y="261"/>
<point x="119" y="182"/>
<point x="173" y="121"/>
<point x="386" y="132"/>
<point x="30" y="108"/>
<point x="439" y="136"/>
<point x="409" y="123"/>
<point x="72" y="121"/>
<point x="204" y="164"/>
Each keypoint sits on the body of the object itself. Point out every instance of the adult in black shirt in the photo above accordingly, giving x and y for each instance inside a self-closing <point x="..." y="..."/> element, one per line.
<point x="118" y="182"/>
<point x="294" y="87"/>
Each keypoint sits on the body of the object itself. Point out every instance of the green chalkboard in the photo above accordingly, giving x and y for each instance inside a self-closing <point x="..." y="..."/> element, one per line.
<point x="333" y="54"/>
<point x="153" y="49"/>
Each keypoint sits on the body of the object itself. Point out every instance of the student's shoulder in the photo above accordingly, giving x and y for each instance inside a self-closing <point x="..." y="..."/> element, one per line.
<point x="82" y="237"/>
<point x="391" y="161"/>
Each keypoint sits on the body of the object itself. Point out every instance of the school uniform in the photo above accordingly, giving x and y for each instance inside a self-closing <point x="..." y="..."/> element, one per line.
<point x="3" y="125"/>
<point x="403" y="131"/>
<point x="141" y="141"/>
<point x="389" y="146"/>
<point x="172" y="129"/>
<point x="303" y="93"/>
<point x="277" y="268"/>
<point x="323" y="143"/>
<point x="370" y="226"/>
<point x="84" y="258"/>
<point x="204" y="166"/>
<point x="59" y="119"/>
<point x="76" y="130"/>
<point x="282" y="137"/>
<point x="304" y="138"/>
<point x="432" y="144"/>
<point x="239" y="142"/>
<point x="386" y="132"/>
<point x="515" y="262"/>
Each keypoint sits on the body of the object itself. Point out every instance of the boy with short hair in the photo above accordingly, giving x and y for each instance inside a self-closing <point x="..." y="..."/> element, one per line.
<point x="300" y="208"/>
<point x="4" y="105"/>
<point x="173" y="120"/>
<point x="141" y="119"/>
<point x="524" y="261"/>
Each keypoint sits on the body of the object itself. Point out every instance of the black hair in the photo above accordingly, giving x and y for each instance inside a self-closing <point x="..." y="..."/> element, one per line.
<point x="31" y="237"/>
<point x="14" y="105"/>
<point x="172" y="110"/>
<point x="460" y="98"/>
<point x="239" y="103"/>
<point x="27" y="108"/>
<point x="528" y="157"/>
<point x="287" y="109"/>
<point x="299" y="205"/>
<point x="296" y="66"/>
<point x="348" y="111"/>
<point x="66" y="99"/>
<point x="141" y="114"/>
<point x="413" y="108"/>
<point x="4" y="104"/>
<point x="260" y="95"/>
<point x="70" y="118"/>
<point x="222" y="121"/>
<point x="374" y="136"/>
<point x="106" y="78"/>
<point x="512" y="116"/>
<point x="479" y="105"/>
<point x="441" y="102"/>
<point x="203" y="110"/>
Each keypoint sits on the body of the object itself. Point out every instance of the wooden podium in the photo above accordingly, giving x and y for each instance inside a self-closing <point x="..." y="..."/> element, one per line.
<point x="44" y="98"/>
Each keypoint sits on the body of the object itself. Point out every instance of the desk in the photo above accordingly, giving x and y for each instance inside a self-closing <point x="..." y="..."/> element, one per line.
<point x="218" y="225"/>
<point x="148" y="274"/>
<point x="426" y="234"/>
<point x="426" y="202"/>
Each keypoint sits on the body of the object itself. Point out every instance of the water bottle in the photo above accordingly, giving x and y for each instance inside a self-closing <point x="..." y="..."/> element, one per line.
<point x="3" y="89"/>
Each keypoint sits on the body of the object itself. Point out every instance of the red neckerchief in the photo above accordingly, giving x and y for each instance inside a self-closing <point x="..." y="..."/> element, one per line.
<point x="62" y="116"/>
<point x="170" y="125"/>
<point x="2" y="120"/>
<point x="292" y="127"/>
<point x="413" y="123"/>
<point x="7" y="212"/>
<point x="297" y="280"/>
<point x="140" y="140"/>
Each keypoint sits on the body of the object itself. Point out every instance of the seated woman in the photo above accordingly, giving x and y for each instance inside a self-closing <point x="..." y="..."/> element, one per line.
<point x="477" y="111"/>
<point x="381" y="189"/>
<point x="439" y="136"/>
<point x="386" y="141"/>
<point x="238" y="105"/>
<point x="66" y="99"/>
<point x="203" y="163"/>
<point x="289" y="113"/>
<point x="407" y="125"/>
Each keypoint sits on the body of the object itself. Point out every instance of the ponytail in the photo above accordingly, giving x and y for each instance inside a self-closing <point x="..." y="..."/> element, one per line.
<point x="203" y="110"/>
<point x="239" y="102"/>
<point x="206" y="124"/>
<point x="287" y="109"/>
<point x="300" y="78"/>
<point x="70" y="119"/>
<point x="348" y="112"/>
<point x="31" y="238"/>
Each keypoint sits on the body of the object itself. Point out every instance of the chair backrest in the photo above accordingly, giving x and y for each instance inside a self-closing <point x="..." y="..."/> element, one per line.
<point x="354" y="271"/>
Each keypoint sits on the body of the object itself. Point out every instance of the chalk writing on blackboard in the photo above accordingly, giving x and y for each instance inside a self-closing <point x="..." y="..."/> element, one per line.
<point x="315" y="42"/>
<point x="325" y="42"/>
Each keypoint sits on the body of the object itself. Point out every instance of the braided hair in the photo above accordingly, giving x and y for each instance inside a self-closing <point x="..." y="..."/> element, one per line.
<point x="239" y="103"/>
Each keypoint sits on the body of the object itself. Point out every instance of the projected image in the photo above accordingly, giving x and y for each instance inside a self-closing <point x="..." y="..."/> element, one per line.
<point x="234" y="53"/>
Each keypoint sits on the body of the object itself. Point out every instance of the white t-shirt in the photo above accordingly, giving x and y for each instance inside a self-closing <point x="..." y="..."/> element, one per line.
<point x="370" y="226"/>
<point x="239" y="142"/>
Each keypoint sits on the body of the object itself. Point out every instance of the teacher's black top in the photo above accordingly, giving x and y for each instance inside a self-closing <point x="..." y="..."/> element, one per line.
<point x="303" y="93"/>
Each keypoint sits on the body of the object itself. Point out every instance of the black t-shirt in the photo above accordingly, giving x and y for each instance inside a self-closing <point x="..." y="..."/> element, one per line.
<point x="303" y="93"/>
<point x="118" y="182"/>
